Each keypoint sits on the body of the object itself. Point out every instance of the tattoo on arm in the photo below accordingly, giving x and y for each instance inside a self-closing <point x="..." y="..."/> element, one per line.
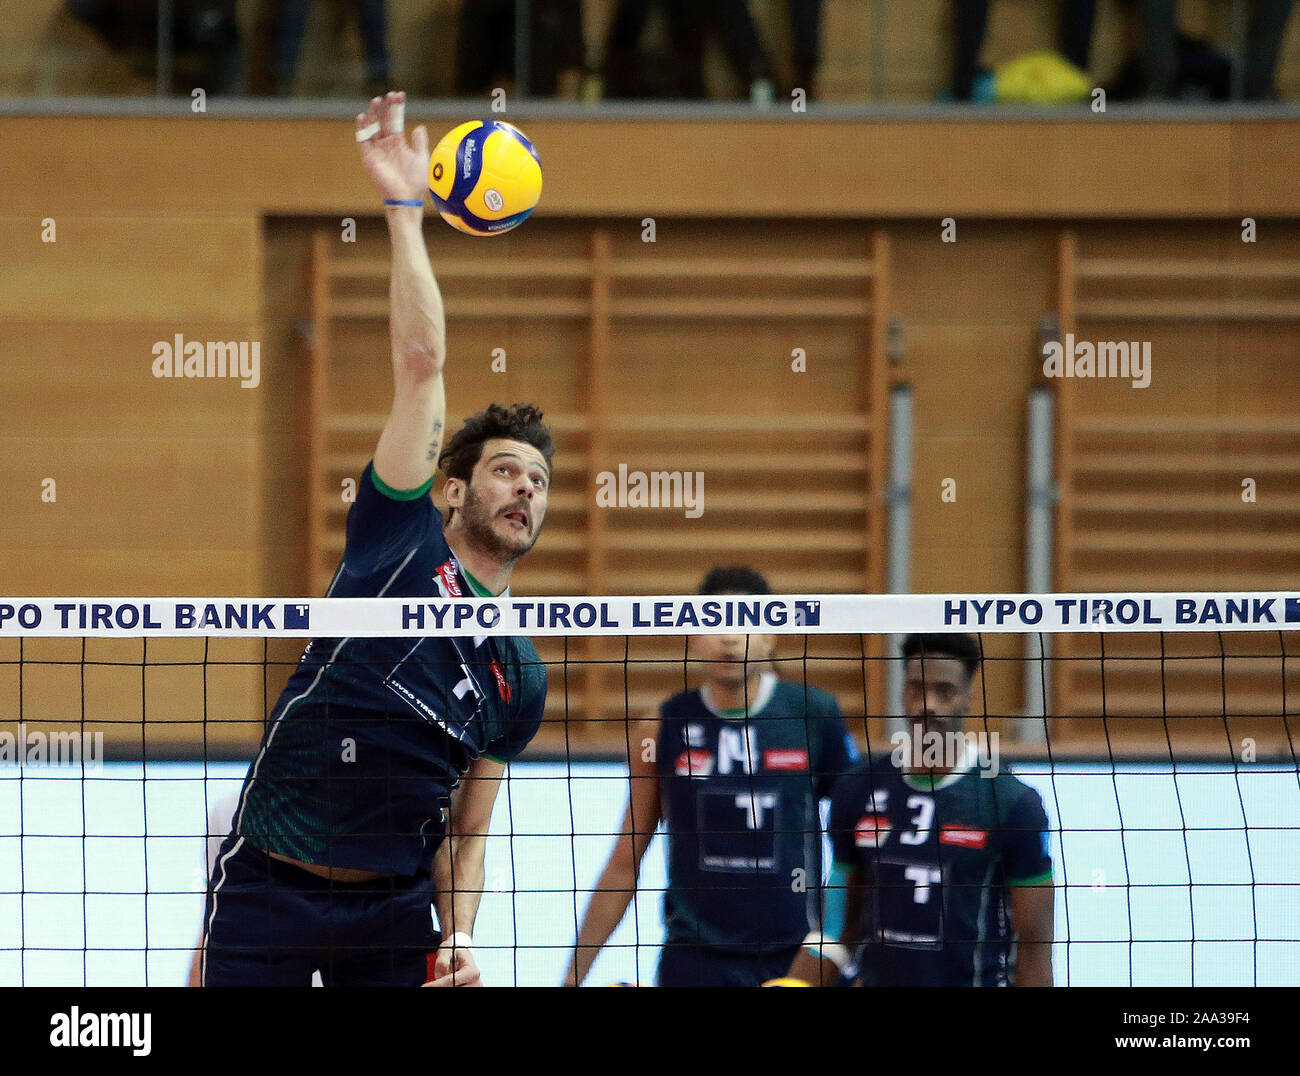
<point x="432" y="454"/>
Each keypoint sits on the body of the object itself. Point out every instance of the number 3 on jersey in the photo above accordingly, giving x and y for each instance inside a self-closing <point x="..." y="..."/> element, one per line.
<point x="923" y="878"/>
<point x="920" y="831"/>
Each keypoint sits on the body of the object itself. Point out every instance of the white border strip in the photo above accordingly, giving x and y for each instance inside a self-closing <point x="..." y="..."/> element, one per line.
<point x="822" y="614"/>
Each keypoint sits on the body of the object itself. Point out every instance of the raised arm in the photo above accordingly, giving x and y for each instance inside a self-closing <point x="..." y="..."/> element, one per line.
<point x="617" y="882"/>
<point x="407" y="454"/>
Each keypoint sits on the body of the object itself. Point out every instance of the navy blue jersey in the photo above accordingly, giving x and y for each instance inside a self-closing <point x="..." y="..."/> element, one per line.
<point x="369" y="734"/>
<point x="739" y="799"/>
<point x="938" y="856"/>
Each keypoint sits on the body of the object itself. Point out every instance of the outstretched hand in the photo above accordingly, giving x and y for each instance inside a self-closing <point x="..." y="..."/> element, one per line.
<point x="398" y="169"/>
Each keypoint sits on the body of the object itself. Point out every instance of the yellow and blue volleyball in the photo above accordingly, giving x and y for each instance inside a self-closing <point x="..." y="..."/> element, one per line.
<point x="785" y="980"/>
<point x="485" y="177"/>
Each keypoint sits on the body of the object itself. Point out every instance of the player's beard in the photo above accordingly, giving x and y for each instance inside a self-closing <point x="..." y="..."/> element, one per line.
<point x="480" y="530"/>
<point x="733" y="674"/>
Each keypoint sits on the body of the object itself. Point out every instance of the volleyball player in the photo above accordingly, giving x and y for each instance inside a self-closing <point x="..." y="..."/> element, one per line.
<point x="940" y="869"/>
<point x="374" y="784"/>
<point x="735" y="770"/>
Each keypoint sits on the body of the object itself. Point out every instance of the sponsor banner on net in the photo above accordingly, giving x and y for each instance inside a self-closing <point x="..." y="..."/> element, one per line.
<point x="825" y="614"/>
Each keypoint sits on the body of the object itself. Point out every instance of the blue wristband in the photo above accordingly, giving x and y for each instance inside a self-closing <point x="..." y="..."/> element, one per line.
<point x="403" y="201"/>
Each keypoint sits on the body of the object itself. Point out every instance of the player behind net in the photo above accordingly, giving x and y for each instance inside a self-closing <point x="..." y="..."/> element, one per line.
<point x="735" y="770"/>
<point x="375" y="781"/>
<point x="941" y="865"/>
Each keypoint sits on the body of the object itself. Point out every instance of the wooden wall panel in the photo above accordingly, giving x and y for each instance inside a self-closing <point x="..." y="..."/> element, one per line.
<point x="67" y="377"/>
<point x="126" y="492"/>
<point x="145" y="268"/>
<point x="162" y="569"/>
<point x="969" y="313"/>
<point x="167" y="470"/>
<point x="797" y="166"/>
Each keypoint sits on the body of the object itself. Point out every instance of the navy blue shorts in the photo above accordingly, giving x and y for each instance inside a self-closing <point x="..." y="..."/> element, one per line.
<point x="269" y="923"/>
<point x="690" y="965"/>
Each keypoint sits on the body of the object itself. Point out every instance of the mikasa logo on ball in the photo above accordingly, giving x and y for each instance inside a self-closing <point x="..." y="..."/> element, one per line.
<point x="469" y="157"/>
<point x="492" y="198"/>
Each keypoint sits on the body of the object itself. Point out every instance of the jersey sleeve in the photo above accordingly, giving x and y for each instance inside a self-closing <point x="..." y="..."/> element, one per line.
<point x="1025" y="840"/>
<point x="385" y="524"/>
<point x="837" y="751"/>
<point x="528" y="717"/>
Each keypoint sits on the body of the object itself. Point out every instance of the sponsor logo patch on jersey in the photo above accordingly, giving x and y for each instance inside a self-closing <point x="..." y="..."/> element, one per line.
<point x="694" y="763"/>
<point x="793" y="758"/>
<point x="447" y="573"/>
<point x="420" y="706"/>
<point x="964" y="836"/>
<point x="503" y="685"/>
<point x="871" y="831"/>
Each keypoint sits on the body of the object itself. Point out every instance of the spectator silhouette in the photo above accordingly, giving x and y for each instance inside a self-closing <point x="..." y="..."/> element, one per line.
<point x="630" y="72"/>
<point x="485" y="49"/>
<point x="205" y="38"/>
<point x="290" y="22"/>
<point x="972" y="16"/>
<point x="805" y="40"/>
<point x="1171" y="64"/>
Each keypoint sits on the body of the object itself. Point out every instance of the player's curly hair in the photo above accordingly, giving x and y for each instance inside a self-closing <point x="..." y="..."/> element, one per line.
<point x="518" y="422"/>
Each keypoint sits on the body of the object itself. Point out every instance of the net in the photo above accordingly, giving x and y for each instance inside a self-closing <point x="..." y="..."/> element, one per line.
<point x="1154" y="729"/>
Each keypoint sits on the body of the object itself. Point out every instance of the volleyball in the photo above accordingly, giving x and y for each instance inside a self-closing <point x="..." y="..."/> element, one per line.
<point x="485" y="177"/>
